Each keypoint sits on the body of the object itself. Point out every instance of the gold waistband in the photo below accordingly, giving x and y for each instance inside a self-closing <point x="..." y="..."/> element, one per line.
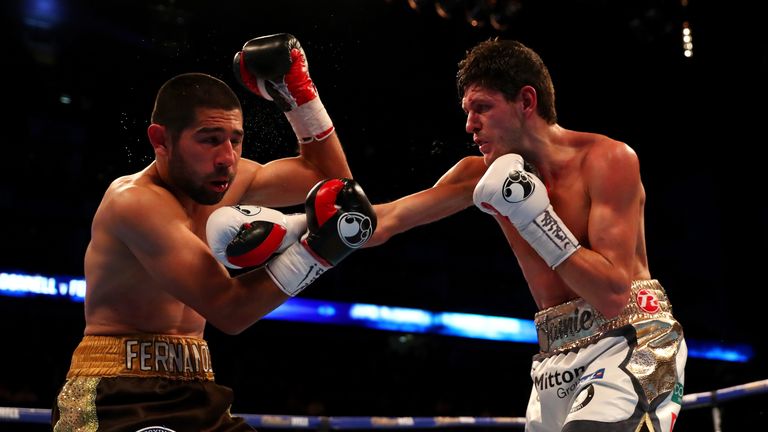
<point x="143" y="355"/>
<point x="576" y="323"/>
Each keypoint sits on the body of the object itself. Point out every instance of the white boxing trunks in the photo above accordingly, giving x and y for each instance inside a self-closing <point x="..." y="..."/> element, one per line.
<point x="595" y="374"/>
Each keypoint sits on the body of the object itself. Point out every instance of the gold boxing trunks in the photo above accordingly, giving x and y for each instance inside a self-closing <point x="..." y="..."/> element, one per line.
<point x="143" y="382"/>
<point x="576" y="323"/>
<point x="174" y="357"/>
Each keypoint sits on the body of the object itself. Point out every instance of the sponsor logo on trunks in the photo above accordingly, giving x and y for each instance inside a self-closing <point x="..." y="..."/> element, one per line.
<point x="677" y="393"/>
<point x="581" y="320"/>
<point x="598" y="374"/>
<point x="565" y="382"/>
<point x="161" y="356"/>
<point x="155" y="429"/>
<point x="647" y="301"/>
<point x="582" y="399"/>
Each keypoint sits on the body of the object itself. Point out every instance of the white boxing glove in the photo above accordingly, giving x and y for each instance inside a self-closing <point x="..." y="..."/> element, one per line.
<point x="507" y="189"/>
<point x="247" y="235"/>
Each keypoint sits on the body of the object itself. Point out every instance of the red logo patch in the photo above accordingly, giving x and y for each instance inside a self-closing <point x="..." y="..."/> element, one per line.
<point x="647" y="301"/>
<point x="672" y="426"/>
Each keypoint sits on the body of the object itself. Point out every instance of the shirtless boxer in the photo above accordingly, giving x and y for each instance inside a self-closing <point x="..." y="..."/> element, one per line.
<point x="571" y="205"/>
<point x="153" y="282"/>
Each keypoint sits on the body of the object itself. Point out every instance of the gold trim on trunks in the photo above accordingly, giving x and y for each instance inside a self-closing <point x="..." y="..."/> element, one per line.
<point x="576" y="323"/>
<point x="143" y="355"/>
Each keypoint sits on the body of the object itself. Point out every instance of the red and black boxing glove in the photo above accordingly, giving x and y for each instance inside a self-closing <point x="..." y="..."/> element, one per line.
<point x="275" y="68"/>
<point x="340" y="220"/>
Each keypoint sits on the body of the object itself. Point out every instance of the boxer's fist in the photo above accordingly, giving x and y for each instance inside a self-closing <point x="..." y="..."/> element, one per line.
<point x="275" y="68"/>
<point x="247" y="236"/>
<point x="508" y="190"/>
<point x="340" y="219"/>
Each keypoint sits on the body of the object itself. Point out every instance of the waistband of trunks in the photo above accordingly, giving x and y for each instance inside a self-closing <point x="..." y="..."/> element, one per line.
<point x="576" y="323"/>
<point x="143" y="355"/>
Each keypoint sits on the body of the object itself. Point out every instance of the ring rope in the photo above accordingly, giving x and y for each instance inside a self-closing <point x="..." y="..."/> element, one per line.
<point x="694" y="400"/>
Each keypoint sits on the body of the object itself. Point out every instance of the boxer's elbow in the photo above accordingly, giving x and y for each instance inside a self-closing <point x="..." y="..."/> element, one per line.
<point x="614" y="302"/>
<point x="233" y="319"/>
<point x="230" y="326"/>
<point x="226" y="325"/>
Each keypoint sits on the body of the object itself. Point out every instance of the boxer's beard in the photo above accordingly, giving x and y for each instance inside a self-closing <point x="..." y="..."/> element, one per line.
<point x="184" y="179"/>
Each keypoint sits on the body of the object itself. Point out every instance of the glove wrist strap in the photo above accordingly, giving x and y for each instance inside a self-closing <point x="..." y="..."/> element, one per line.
<point x="295" y="269"/>
<point x="310" y="121"/>
<point x="550" y="238"/>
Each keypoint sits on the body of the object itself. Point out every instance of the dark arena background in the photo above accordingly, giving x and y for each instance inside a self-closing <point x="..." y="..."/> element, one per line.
<point x="79" y="82"/>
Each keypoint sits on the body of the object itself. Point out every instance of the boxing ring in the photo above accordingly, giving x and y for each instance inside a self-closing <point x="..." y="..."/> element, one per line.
<point x="710" y="399"/>
<point x="398" y="319"/>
